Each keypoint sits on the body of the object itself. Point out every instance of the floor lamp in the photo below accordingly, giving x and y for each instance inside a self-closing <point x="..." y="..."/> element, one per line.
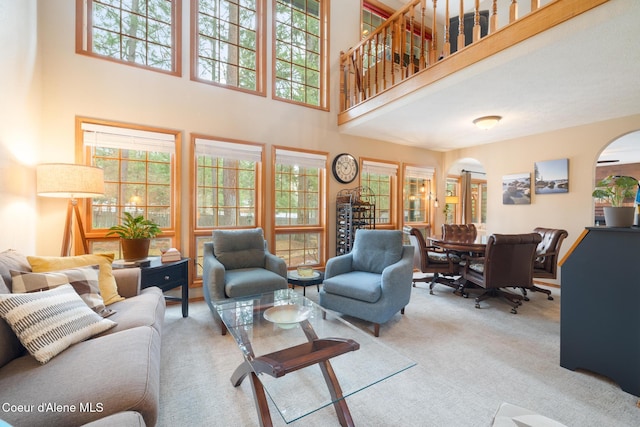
<point x="73" y="182"/>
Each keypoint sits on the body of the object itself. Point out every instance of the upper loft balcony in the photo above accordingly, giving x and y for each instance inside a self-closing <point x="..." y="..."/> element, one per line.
<point x="561" y="64"/>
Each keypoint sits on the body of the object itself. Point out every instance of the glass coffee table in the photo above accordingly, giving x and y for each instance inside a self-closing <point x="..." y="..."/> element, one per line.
<point x="302" y="356"/>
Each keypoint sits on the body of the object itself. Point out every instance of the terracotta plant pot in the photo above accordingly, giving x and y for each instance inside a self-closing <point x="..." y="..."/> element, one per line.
<point x="135" y="249"/>
<point x="619" y="216"/>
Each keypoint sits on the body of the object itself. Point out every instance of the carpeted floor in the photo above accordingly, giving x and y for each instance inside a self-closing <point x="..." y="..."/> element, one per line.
<point x="469" y="361"/>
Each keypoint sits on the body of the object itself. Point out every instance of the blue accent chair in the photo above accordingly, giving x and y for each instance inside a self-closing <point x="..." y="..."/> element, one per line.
<point x="373" y="281"/>
<point x="237" y="264"/>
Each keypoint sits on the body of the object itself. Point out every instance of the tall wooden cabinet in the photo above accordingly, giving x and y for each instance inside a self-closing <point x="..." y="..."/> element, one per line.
<point x="600" y="315"/>
<point x="355" y="209"/>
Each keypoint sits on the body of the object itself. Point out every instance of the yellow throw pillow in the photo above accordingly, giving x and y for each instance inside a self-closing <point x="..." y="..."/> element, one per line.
<point x="106" y="281"/>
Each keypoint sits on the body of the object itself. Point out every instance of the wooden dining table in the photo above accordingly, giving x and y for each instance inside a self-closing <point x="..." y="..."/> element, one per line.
<point x="475" y="246"/>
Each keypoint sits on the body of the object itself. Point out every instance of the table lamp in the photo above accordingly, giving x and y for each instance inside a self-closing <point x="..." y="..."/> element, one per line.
<point x="74" y="182"/>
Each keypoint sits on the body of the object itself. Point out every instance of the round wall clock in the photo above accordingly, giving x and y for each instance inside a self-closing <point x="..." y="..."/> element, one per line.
<point x="345" y="168"/>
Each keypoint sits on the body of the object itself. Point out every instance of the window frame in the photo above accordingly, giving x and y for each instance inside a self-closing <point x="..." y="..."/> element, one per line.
<point x="84" y="38"/>
<point x="83" y="156"/>
<point x="198" y="232"/>
<point x="393" y="191"/>
<point x="428" y="174"/>
<point x="321" y="227"/>
<point x="324" y="83"/>
<point x="261" y="49"/>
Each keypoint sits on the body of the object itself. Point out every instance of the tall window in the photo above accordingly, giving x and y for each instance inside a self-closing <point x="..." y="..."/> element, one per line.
<point x="380" y="177"/>
<point x="140" y="178"/>
<point x="228" y="189"/>
<point x="145" y="33"/>
<point x="300" y="208"/>
<point x="300" y="37"/>
<point x="452" y="201"/>
<point x="229" y="43"/>
<point x="479" y="202"/>
<point x="416" y="194"/>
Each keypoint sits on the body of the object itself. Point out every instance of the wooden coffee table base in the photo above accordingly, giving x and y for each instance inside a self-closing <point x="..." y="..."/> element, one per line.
<point x="279" y="363"/>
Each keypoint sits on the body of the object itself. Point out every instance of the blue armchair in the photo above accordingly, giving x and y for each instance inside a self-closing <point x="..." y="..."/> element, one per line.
<point x="237" y="263"/>
<point x="373" y="281"/>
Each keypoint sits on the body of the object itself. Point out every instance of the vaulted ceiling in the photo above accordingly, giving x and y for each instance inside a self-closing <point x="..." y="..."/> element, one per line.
<point x="582" y="71"/>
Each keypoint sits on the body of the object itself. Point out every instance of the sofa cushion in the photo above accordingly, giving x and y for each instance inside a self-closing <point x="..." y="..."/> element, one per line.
<point x="48" y="322"/>
<point x="108" y="287"/>
<point x="359" y="285"/>
<point x="83" y="279"/>
<point x="12" y="260"/>
<point x="375" y="250"/>
<point x="239" y="248"/>
<point x="145" y="309"/>
<point x="121" y="372"/>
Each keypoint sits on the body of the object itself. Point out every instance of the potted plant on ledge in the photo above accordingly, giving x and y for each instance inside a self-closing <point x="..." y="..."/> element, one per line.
<point x="135" y="234"/>
<point x="617" y="190"/>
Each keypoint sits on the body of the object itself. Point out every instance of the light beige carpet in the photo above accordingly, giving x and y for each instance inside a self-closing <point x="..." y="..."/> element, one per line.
<point x="469" y="361"/>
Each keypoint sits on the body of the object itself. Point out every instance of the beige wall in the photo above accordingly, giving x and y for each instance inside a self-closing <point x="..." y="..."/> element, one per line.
<point x="19" y="123"/>
<point x="572" y="211"/>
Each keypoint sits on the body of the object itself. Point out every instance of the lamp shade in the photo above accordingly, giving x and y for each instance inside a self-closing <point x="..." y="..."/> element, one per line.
<point x="69" y="180"/>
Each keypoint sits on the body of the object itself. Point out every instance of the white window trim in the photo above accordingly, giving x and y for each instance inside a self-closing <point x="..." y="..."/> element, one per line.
<point x="95" y="135"/>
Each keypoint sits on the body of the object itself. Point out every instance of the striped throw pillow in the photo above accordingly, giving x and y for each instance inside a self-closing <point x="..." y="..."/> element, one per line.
<point x="83" y="279"/>
<point x="48" y="322"/>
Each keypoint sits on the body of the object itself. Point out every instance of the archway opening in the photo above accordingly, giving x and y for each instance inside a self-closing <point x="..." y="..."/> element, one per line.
<point x="620" y="158"/>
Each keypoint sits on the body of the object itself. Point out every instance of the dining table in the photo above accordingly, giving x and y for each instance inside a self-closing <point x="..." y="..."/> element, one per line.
<point x="475" y="246"/>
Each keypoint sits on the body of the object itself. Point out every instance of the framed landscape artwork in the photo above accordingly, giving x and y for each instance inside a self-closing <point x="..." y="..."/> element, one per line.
<point x="516" y="189"/>
<point x="552" y="176"/>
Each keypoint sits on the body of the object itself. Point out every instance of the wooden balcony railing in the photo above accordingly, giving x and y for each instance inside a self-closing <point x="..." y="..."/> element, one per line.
<point x="405" y="48"/>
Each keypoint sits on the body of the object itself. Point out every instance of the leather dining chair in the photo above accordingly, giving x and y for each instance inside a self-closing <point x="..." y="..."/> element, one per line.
<point x="545" y="265"/>
<point x="440" y="264"/>
<point x="459" y="232"/>
<point x="507" y="263"/>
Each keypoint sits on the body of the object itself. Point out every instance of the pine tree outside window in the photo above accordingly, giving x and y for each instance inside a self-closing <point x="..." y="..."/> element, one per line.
<point x="300" y="36"/>
<point x="143" y="33"/>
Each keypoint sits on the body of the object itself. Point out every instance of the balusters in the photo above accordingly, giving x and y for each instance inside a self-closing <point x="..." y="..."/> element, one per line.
<point x="535" y="4"/>
<point x="433" y="57"/>
<point x="513" y="11"/>
<point x="461" y="40"/>
<point x="446" y="50"/>
<point x="493" y="22"/>
<point x="476" y="22"/>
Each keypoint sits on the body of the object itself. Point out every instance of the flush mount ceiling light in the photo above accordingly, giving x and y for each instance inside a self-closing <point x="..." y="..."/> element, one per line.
<point x="487" y="122"/>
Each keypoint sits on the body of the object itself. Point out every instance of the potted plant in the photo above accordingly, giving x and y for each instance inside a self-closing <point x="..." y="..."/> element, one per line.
<point x="135" y="234"/>
<point x="616" y="190"/>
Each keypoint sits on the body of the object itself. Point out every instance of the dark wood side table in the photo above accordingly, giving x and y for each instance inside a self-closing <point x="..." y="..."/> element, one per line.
<point x="167" y="276"/>
<point x="294" y="279"/>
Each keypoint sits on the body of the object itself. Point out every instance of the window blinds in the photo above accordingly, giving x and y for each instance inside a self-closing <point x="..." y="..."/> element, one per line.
<point x="228" y="150"/>
<point x="419" y="173"/>
<point x="95" y="135"/>
<point x="378" y="168"/>
<point x="299" y="158"/>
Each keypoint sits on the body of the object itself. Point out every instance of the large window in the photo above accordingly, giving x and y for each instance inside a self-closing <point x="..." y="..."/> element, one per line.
<point x="300" y="208"/>
<point x="300" y="37"/>
<point x="380" y="178"/>
<point x="144" y="33"/>
<point x="228" y="188"/>
<point x="416" y="196"/>
<point x="140" y="178"/>
<point x="229" y="43"/>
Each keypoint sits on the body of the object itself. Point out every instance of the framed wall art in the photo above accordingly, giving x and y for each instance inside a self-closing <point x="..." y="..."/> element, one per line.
<point x="516" y="189"/>
<point x="552" y="176"/>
